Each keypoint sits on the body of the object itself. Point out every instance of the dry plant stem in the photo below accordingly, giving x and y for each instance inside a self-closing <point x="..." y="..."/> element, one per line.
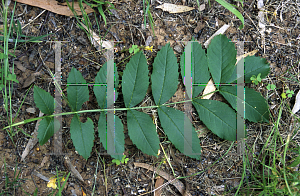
<point x="261" y="22"/>
<point x="33" y="19"/>
<point x="33" y="141"/>
<point x="174" y="181"/>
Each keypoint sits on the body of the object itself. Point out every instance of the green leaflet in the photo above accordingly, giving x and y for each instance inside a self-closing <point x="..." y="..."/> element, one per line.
<point x="82" y="135"/>
<point x="164" y="77"/>
<point x="104" y="130"/>
<point x="43" y="100"/>
<point x="253" y="66"/>
<point x="199" y="68"/>
<point x="118" y="136"/>
<point x="221" y="55"/>
<point x="142" y="132"/>
<point x="101" y="85"/>
<point x="46" y="130"/>
<point x="218" y="117"/>
<point x="77" y="93"/>
<point x="135" y="80"/>
<point x="256" y="108"/>
<point x="172" y="121"/>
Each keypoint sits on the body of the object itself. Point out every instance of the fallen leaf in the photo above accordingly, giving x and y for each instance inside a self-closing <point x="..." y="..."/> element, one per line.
<point x="31" y="110"/>
<point x="73" y="169"/>
<point x="97" y="41"/>
<point x="172" y="8"/>
<point x="253" y="52"/>
<point x="159" y="182"/>
<point x="220" y="31"/>
<point x="297" y="103"/>
<point x="210" y="87"/>
<point x="56" y="7"/>
<point x="20" y="66"/>
<point x="30" y="79"/>
<point x="202" y="7"/>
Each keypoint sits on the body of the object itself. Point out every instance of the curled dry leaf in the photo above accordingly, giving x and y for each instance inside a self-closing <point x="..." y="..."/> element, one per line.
<point x="172" y="8"/>
<point x="56" y="7"/>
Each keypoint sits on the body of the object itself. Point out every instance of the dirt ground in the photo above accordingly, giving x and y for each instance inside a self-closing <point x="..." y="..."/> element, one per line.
<point x="280" y="47"/>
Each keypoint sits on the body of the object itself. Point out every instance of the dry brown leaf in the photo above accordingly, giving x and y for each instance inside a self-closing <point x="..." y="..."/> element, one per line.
<point x="159" y="182"/>
<point x="20" y="66"/>
<point x="172" y="8"/>
<point x="56" y="7"/>
<point x="30" y="79"/>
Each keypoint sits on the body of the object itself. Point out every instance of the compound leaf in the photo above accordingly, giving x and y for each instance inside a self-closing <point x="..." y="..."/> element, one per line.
<point x="43" y="100"/>
<point x="199" y="68"/>
<point x="218" y="117"/>
<point x="256" y="108"/>
<point x="135" y="80"/>
<point x="118" y="137"/>
<point x="221" y="54"/>
<point x="172" y="122"/>
<point x="78" y="91"/>
<point x="253" y="66"/>
<point x="165" y="75"/>
<point x="101" y="85"/>
<point x="82" y="135"/>
<point x="141" y="131"/>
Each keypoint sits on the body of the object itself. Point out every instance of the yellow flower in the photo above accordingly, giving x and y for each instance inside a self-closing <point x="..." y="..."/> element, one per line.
<point x="149" y="48"/>
<point x="52" y="183"/>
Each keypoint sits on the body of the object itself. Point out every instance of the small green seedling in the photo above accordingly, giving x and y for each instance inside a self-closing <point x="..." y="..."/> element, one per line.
<point x="271" y="87"/>
<point x="288" y="93"/>
<point x="12" y="77"/>
<point x="124" y="160"/>
<point x="255" y="79"/>
<point x="134" y="48"/>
